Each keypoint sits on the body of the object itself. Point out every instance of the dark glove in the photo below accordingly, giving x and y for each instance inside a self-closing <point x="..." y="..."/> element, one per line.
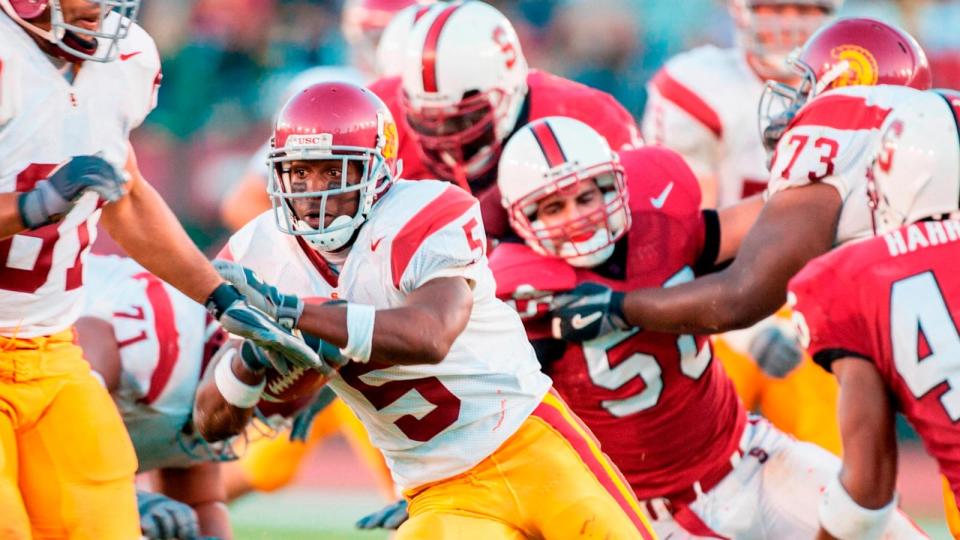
<point x="587" y="312"/>
<point x="391" y="517"/>
<point x="304" y="419"/>
<point x="285" y="309"/>
<point x="162" y="518"/>
<point x="236" y="316"/>
<point x="52" y="198"/>
<point x="775" y="352"/>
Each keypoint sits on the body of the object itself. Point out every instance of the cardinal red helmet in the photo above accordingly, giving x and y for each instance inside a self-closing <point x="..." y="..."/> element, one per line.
<point x="332" y="121"/>
<point x="848" y="52"/>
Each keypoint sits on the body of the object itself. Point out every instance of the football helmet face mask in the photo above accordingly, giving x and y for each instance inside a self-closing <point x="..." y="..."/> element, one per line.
<point x="555" y="155"/>
<point x="769" y="38"/>
<point x="363" y="23"/>
<point x="848" y="52"/>
<point x="328" y="122"/>
<point x="78" y="39"/>
<point x="915" y="171"/>
<point x="464" y="83"/>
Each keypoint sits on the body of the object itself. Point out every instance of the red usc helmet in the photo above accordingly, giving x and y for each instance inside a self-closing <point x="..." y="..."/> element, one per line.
<point x="848" y="52"/>
<point x="331" y="121"/>
<point x="78" y="42"/>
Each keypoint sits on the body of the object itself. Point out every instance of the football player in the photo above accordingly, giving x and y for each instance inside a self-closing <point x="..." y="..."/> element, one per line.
<point x="365" y="25"/>
<point x="817" y="178"/>
<point x="466" y="88"/>
<point x="665" y="412"/>
<point x="150" y="345"/>
<point x="77" y="76"/>
<point x="881" y="315"/>
<point x="436" y="367"/>
<point x="703" y="104"/>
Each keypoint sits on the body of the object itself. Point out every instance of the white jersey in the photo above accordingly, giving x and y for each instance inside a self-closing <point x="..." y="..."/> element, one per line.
<point x="703" y="104"/>
<point x="833" y="140"/>
<point x="163" y="339"/>
<point x="44" y="121"/>
<point x="430" y="421"/>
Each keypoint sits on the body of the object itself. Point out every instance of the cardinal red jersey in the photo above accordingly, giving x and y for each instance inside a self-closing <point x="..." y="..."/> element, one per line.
<point x="547" y="95"/>
<point x="895" y="301"/>
<point x="664" y="411"/>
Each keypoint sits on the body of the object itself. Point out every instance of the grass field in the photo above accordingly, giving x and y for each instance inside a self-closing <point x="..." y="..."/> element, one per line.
<point x="334" y="489"/>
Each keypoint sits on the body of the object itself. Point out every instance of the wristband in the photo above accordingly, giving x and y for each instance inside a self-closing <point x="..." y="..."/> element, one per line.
<point x="843" y="518"/>
<point x="221" y="298"/>
<point x="360" y="319"/>
<point x="234" y="391"/>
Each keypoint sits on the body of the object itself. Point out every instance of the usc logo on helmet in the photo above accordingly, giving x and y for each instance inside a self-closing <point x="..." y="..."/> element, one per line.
<point x="389" y="140"/>
<point x="861" y="66"/>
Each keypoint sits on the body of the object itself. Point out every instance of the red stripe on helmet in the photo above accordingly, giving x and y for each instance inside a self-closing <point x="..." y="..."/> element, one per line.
<point x="429" y="62"/>
<point x="421" y="11"/>
<point x="549" y="144"/>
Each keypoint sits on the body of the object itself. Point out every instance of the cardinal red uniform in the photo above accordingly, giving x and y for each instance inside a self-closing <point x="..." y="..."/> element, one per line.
<point x="895" y="301"/>
<point x="547" y="95"/>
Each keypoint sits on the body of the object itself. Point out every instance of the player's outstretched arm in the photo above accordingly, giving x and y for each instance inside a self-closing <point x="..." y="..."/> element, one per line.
<point x="147" y="229"/>
<point x="736" y="221"/>
<point x="200" y="487"/>
<point x="860" y="502"/>
<point x="419" y="332"/>
<point x="228" y="393"/>
<point x="794" y="226"/>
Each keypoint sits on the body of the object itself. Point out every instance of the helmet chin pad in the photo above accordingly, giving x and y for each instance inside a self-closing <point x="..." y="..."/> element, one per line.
<point x="339" y="234"/>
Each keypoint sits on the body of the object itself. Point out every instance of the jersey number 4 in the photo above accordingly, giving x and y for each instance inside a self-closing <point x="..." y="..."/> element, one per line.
<point x="27" y="257"/>
<point x="605" y="375"/>
<point x="918" y="316"/>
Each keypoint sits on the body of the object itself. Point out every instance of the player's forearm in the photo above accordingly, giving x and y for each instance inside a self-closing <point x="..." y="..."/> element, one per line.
<point x="10" y="221"/>
<point x="146" y="228"/>
<point x="404" y="336"/>
<point x="711" y="304"/>
<point x="214" y="417"/>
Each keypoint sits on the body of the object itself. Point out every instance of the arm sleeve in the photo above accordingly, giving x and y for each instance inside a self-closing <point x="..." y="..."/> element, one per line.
<point x="455" y="249"/>
<point x="668" y="124"/>
<point x="144" y="65"/>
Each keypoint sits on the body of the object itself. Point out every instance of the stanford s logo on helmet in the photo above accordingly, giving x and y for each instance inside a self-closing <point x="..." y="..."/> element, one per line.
<point x="78" y="43"/>
<point x="555" y="155"/>
<point x="325" y="122"/>
<point x="915" y="171"/>
<point x="848" y="52"/>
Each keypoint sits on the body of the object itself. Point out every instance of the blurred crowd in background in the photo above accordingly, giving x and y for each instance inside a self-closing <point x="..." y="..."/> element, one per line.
<point x="226" y="62"/>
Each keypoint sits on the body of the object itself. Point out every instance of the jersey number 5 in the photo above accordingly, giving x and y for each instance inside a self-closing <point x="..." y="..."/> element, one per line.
<point x="918" y="311"/>
<point x="605" y="375"/>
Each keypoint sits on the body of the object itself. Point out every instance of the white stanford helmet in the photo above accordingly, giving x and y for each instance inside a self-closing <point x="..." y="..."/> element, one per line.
<point x="784" y="34"/>
<point x="464" y="83"/>
<point x="393" y="42"/>
<point x="915" y="173"/>
<point x="78" y="43"/>
<point x="555" y="154"/>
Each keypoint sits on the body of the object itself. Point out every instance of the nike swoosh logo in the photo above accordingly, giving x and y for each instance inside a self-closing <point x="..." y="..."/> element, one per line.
<point x="579" y="322"/>
<point x="125" y="57"/>
<point x="375" y="243"/>
<point x="662" y="198"/>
